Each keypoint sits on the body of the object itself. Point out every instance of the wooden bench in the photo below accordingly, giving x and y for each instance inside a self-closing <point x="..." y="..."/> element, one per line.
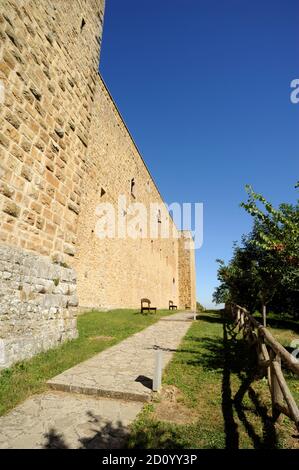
<point x="171" y="306"/>
<point x="146" y="306"/>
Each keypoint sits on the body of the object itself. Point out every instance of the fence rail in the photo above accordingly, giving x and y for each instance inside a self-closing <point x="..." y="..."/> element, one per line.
<point x="271" y="355"/>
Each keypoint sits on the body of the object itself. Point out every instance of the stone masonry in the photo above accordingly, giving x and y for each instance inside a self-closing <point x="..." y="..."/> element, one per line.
<point x="64" y="148"/>
<point x="36" y="303"/>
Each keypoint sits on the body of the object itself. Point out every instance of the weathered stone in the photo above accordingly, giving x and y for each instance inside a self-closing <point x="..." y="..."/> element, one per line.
<point x="36" y="93"/>
<point x="73" y="301"/>
<point x="11" y="208"/>
<point x="6" y="190"/>
<point x="4" y="141"/>
<point x="73" y="207"/>
<point x="35" y="312"/>
<point x="59" y="131"/>
<point x="61" y="288"/>
<point x="13" y="120"/>
<point x="69" y="250"/>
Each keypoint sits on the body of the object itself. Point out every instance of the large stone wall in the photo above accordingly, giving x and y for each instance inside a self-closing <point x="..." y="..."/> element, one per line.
<point x="64" y="149"/>
<point x="114" y="272"/>
<point x="49" y="67"/>
<point x="49" y="56"/>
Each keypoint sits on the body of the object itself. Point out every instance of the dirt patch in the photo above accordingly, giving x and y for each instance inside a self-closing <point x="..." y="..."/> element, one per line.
<point x="171" y="409"/>
<point x="101" y="338"/>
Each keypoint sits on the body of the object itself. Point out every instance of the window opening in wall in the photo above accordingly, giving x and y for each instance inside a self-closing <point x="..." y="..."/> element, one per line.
<point x="83" y="23"/>
<point x="159" y="216"/>
<point x="103" y="192"/>
<point x="133" y="187"/>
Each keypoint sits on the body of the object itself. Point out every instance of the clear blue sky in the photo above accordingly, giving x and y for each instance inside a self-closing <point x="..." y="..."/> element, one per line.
<point x="204" y="87"/>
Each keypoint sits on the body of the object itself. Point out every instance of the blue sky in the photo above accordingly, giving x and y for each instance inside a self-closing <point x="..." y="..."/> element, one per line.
<point x="204" y="87"/>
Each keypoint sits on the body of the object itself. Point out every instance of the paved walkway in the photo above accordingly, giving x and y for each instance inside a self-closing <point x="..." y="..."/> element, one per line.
<point x="126" y="370"/>
<point x="61" y="420"/>
<point x="68" y="417"/>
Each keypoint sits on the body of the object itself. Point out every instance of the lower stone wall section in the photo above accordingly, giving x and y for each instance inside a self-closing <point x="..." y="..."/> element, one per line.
<point x="37" y="304"/>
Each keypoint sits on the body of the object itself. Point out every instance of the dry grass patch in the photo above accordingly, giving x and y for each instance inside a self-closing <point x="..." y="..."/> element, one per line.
<point x="170" y="407"/>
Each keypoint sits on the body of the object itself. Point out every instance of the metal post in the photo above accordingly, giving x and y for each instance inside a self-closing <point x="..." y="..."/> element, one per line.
<point x="158" y="371"/>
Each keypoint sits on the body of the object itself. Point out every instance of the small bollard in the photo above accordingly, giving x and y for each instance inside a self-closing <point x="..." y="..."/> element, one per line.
<point x="194" y="316"/>
<point x="158" y="371"/>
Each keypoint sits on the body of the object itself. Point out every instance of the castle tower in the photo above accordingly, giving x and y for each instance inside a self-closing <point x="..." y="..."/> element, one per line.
<point x="187" y="280"/>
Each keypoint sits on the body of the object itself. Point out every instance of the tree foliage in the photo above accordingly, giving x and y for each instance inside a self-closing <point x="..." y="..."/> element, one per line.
<point x="264" y="270"/>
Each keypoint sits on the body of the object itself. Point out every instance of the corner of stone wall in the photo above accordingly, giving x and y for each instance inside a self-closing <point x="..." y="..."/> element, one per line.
<point x="38" y="304"/>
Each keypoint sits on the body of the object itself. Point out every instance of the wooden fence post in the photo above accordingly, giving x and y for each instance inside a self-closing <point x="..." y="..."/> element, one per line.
<point x="270" y="355"/>
<point x="241" y="319"/>
<point x="276" y="393"/>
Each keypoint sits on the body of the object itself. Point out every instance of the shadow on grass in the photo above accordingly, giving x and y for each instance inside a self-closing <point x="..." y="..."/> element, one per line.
<point x="281" y="323"/>
<point x="233" y="356"/>
<point x="108" y="435"/>
<point x="208" y="318"/>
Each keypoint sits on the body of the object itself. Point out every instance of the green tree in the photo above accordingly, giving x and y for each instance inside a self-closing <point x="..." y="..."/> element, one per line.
<point x="277" y="233"/>
<point x="265" y="269"/>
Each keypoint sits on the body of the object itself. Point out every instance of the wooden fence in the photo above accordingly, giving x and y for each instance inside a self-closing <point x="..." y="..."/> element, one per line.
<point x="271" y="356"/>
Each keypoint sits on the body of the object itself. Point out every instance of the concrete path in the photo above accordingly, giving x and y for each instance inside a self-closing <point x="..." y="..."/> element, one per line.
<point x="68" y="418"/>
<point x="125" y="371"/>
<point x="61" y="420"/>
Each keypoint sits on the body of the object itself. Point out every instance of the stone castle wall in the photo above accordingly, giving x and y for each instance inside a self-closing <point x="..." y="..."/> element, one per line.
<point x="49" y="67"/>
<point x="114" y="272"/>
<point x="49" y="54"/>
<point x="64" y="149"/>
<point x="37" y="299"/>
<point x="186" y="271"/>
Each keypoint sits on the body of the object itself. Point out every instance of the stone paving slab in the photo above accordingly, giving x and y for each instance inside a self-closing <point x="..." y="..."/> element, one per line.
<point x="180" y="316"/>
<point x="125" y="371"/>
<point x="60" y="420"/>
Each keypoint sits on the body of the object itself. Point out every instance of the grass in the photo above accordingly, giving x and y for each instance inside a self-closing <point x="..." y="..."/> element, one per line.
<point x="97" y="331"/>
<point x="212" y="369"/>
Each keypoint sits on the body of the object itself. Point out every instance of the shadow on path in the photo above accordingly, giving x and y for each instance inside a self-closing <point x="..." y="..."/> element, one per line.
<point x="108" y="435"/>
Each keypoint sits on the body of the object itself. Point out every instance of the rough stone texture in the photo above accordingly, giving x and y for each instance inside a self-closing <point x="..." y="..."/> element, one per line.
<point x="126" y="369"/>
<point x="63" y="149"/>
<point x="123" y="270"/>
<point x="57" y="420"/>
<point x="35" y="300"/>
<point x="49" y="67"/>
<point x="187" y="279"/>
